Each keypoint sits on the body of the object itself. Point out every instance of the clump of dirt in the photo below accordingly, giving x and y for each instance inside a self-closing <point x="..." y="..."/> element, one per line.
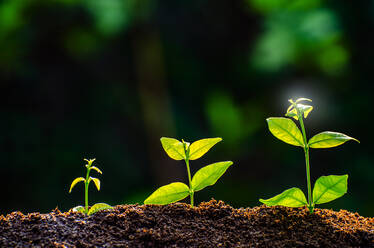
<point x="211" y="224"/>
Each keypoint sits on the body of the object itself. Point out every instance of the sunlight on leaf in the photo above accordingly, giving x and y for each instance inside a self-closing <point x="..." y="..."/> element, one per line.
<point x="76" y="180"/>
<point x="329" y="139"/>
<point x="98" y="207"/>
<point x="329" y="188"/>
<point x="293" y="197"/>
<point x="170" y="193"/>
<point x="174" y="148"/>
<point x="200" y="147"/>
<point x="285" y="130"/>
<point x="209" y="175"/>
<point x="97" y="182"/>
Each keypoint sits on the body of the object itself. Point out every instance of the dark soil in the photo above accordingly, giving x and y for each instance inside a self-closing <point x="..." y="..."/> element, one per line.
<point x="211" y="224"/>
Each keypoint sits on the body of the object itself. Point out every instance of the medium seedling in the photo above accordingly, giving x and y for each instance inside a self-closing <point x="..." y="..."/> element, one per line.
<point x="98" y="206"/>
<point x="204" y="177"/>
<point x="326" y="188"/>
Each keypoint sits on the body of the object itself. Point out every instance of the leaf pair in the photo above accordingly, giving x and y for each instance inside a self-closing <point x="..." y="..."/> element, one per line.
<point x="204" y="177"/>
<point x="183" y="150"/>
<point x="81" y="179"/>
<point x="177" y="191"/>
<point x="95" y="208"/>
<point x="326" y="189"/>
<point x="287" y="131"/>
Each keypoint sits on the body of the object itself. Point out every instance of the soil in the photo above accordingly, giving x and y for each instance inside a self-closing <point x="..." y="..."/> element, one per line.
<point x="211" y="224"/>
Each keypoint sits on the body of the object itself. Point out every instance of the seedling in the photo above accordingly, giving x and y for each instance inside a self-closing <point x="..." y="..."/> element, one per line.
<point x="98" y="206"/>
<point x="204" y="177"/>
<point x="326" y="188"/>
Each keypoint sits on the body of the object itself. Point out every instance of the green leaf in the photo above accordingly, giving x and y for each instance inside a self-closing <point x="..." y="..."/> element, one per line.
<point x="98" y="207"/>
<point x="96" y="169"/>
<point x="200" y="147"/>
<point x="285" y="130"/>
<point x="209" y="175"/>
<point x="174" y="148"/>
<point x="329" y="188"/>
<point x="293" y="197"/>
<point x="76" y="180"/>
<point x="97" y="182"/>
<point x="78" y="209"/>
<point x="168" y="194"/>
<point x="329" y="139"/>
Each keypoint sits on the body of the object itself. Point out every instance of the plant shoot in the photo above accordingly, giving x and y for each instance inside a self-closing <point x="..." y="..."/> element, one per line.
<point x="87" y="180"/>
<point x="326" y="188"/>
<point x="204" y="177"/>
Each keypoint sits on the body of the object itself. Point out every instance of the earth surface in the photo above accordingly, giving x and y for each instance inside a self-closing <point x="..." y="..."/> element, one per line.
<point x="211" y="224"/>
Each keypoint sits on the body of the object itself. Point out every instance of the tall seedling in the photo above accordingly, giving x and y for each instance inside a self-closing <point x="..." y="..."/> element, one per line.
<point x="326" y="188"/>
<point x="204" y="177"/>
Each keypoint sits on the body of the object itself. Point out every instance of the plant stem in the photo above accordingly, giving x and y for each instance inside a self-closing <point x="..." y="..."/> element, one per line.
<point x="87" y="182"/>
<point x="189" y="180"/>
<point x="306" y="151"/>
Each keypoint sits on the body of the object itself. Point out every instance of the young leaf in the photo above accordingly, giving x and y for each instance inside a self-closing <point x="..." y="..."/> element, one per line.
<point x="78" y="209"/>
<point x="98" y="207"/>
<point x="209" y="175"/>
<point x="304" y="109"/>
<point x="285" y="130"/>
<point x="329" y="188"/>
<point x="170" y="193"/>
<point x="200" y="147"/>
<point x="293" y="197"/>
<point x="303" y="99"/>
<point x="97" y="182"/>
<point x="174" y="148"/>
<point x="76" y="180"/>
<point x="96" y="169"/>
<point x="329" y="139"/>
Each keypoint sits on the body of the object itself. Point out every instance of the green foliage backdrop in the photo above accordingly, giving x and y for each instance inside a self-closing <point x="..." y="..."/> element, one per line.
<point x="106" y="79"/>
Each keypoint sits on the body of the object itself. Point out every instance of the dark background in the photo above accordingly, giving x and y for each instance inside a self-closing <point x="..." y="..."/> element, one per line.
<point x="106" y="79"/>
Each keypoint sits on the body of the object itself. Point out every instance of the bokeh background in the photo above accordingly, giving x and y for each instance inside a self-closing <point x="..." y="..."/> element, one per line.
<point x="106" y="79"/>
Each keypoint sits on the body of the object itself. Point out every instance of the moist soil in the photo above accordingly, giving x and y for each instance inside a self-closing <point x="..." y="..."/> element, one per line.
<point x="211" y="224"/>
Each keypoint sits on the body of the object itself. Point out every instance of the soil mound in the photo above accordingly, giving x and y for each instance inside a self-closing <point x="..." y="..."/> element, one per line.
<point x="211" y="224"/>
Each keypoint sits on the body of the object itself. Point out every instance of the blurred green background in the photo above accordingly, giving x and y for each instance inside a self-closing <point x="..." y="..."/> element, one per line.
<point x="106" y="79"/>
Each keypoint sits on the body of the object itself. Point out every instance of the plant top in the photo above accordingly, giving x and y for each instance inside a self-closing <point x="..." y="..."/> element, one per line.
<point x="206" y="176"/>
<point x="326" y="188"/>
<point x="87" y="180"/>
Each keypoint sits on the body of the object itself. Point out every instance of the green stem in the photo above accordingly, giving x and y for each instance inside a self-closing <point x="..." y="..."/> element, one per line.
<point x="87" y="182"/>
<point x="189" y="180"/>
<point x="306" y="151"/>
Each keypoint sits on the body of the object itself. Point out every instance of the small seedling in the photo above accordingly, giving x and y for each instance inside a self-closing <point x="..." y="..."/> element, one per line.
<point x="98" y="206"/>
<point x="326" y="188"/>
<point x="204" y="177"/>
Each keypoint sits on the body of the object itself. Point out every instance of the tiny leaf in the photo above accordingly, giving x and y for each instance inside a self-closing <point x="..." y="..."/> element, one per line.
<point x="304" y="109"/>
<point x="78" y="209"/>
<point x="96" y="169"/>
<point x="200" y="147"/>
<point x="329" y="188"/>
<point x="303" y="99"/>
<point x="174" y="148"/>
<point x="76" y="180"/>
<point x="97" y="182"/>
<point x="209" y="175"/>
<point x="170" y="193"/>
<point x="98" y="207"/>
<point x="285" y="130"/>
<point x="329" y="139"/>
<point x="293" y="197"/>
